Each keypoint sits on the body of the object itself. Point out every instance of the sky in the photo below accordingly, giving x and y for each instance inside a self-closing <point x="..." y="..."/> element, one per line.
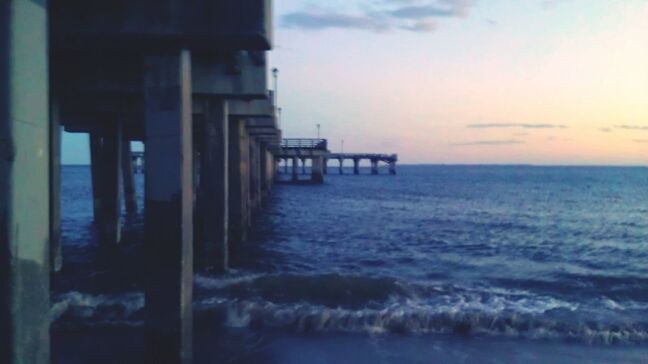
<point x="562" y="82"/>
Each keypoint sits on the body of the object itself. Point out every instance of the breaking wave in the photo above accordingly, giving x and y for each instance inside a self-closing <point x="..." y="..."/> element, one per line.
<point x="377" y="306"/>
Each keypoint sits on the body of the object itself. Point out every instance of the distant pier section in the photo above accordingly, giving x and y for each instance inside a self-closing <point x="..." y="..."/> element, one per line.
<point x="294" y="152"/>
<point x="389" y="159"/>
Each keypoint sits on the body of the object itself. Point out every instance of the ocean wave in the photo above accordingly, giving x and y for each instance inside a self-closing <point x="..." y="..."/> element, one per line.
<point x="420" y="320"/>
<point x="351" y="304"/>
<point x="80" y="309"/>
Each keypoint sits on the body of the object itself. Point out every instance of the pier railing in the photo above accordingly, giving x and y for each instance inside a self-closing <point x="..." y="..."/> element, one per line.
<point x="299" y="143"/>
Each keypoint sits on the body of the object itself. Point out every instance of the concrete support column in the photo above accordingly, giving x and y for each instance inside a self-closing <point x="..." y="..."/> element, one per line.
<point x="285" y="166"/>
<point x="56" y="256"/>
<point x="303" y="165"/>
<point x="325" y="165"/>
<point x="392" y="168"/>
<point x="356" y="166"/>
<point x="109" y="172"/>
<point x="295" y="166"/>
<point x="317" y="170"/>
<point x="214" y="186"/>
<point x="255" y="177"/>
<point x="24" y="183"/>
<point x="265" y="171"/>
<point x="128" y="178"/>
<point x="374" y="166"/>
<point x="169" y="208"/>
<point x="238" y="180"/>
<point x="95" y="168"/>
<point x="341" y="165"/>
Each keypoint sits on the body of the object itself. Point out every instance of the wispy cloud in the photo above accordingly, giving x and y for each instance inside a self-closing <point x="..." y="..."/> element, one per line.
<point x="605" y="130"/>
<point x="643" y="141"/>
<point x="489" y="142"/>
<point x="632" y="127"/>
<point x="412" y="15"/>
<point x="516" y="125"/>
<point x="318" y="20"/>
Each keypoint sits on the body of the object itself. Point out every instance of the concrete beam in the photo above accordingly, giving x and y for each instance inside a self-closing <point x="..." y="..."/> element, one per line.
<point x="238" y="74"/>
<point x="24" y="183"/>
<point x="172" y="24"/>
<point x="169" y="208"/>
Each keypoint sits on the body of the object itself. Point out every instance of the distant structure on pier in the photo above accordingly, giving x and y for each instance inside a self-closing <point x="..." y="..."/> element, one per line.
<point x="299" y="150"/>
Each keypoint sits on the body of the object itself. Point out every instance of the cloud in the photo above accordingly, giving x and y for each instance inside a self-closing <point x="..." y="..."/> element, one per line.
<point x="643" y="141"/>
<point x="489" y="142"/>
<point x="325" y="20"/>
<point x="412" y="15"/>
<point x="445" y="9"/>
<point x="632" y="127"/>
<point x="516" y="125"/>
<point x="605" y="130"/>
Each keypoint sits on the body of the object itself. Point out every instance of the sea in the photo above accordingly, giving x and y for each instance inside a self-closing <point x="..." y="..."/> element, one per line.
<point x="438" y="264"/>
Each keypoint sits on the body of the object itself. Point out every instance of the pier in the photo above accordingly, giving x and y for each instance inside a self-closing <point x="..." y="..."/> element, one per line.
<point x="389" y="159"/>
<point x="189" y="80"/>
<point x="299" y="150"/>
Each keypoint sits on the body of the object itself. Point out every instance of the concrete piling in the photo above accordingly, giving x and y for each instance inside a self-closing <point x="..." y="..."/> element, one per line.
<point x="295" y="166"/>
<point x="95" y="157"/>
<point x="317" y="172"/>
<point x="110" y="168"/>
<point x="341" y="160"/>
<point x="392" y="168"/>
<point x="374" y="166"/>
<point x="56" y="255"/>
<point x="356" y="166"/>
<point x="214" y="185"/>
<point x="169" y="208"/>
<point x="128" y="177"/>
<point x="24" y="176"/>
<point x="238" y="180"/>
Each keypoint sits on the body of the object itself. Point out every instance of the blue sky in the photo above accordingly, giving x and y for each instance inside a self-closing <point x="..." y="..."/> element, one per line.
<point x="464" y="81"/>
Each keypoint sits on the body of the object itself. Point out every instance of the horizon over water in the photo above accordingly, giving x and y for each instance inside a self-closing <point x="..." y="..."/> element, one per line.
<point x="441" y="263"/>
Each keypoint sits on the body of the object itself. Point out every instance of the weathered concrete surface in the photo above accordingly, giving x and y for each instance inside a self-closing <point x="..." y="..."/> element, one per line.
<point x="238" y="181"/>
<point x="95" y="157"/>
<point x="231" y="75"/>
<point x="128" y="177"/>
<point x="214" y="185"/>
<point x="24" y="176"/>
<point x="317" y="169"/>
<point x="392" y="168"/>
<point x="356" y="166"/>
<point x="295" y="167"/>
<point x="374" y="166"/>
<point x="56" y="256"/>
<point x="155" y="24"/>
<point x="110" y="172"/>
<point x="169" y="208"/>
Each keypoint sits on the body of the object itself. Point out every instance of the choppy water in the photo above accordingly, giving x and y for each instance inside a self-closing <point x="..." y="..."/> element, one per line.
<point x="554" y="254"/>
